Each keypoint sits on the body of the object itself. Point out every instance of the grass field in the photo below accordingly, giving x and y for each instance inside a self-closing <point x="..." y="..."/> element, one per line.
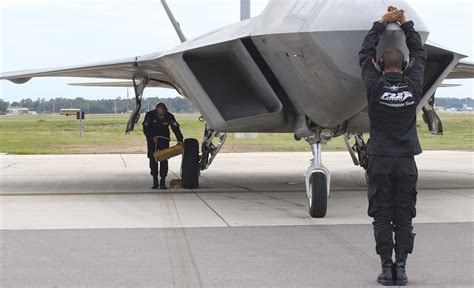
<point x="105" y="134"/>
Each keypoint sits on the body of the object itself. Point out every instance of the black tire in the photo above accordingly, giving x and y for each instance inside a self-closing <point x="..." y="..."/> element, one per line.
<point x="190" y="164"/>
<point x="318" y="203"/>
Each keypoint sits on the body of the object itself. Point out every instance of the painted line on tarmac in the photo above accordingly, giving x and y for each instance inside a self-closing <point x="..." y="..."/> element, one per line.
<point x="189" y="192"/>
<point x="454" y="193"/>
<point x="233" y="185"/>
<point x="143" y="193"/>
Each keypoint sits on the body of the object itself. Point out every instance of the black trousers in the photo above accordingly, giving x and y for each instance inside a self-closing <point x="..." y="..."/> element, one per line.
<point x="392" y="200"/>
<point x="163" y="167"/>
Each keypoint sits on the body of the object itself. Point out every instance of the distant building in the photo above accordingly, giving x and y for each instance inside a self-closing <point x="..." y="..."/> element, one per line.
<point x="245" y="135"/>
<point x="465" y="107"/>
<point x="17" y="111"/>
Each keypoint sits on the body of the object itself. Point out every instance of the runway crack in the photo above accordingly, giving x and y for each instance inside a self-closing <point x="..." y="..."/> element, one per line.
<point x="212" y="209"/>
<point x="123" y="160"/>
<point x="8" y="166"/>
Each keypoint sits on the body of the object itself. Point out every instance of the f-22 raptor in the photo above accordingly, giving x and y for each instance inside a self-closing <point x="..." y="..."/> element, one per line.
<point x="292" y="69"/>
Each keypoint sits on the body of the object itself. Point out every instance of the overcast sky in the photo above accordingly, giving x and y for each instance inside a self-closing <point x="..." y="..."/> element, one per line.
<point x="49" y="33"/>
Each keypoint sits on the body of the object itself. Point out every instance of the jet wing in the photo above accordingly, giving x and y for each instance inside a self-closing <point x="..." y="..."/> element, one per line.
<point x="120" y="84"/>
<point x="149" y="67"/>
<point x="449" y="85"/>
<point x="123" y="69"/>
<point x="463" y="70"/>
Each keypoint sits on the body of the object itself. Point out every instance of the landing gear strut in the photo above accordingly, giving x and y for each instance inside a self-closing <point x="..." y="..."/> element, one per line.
<point x="431" y="118"/>
<point x="139" y="84"/>
<point x="358" y="151"/>
<point x="317" y="181"/>
<point x="317" y="177"/>
<point x="209" y="149"/>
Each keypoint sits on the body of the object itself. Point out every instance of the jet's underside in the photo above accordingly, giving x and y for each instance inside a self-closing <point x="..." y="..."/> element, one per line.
<point x="267" y="83"/>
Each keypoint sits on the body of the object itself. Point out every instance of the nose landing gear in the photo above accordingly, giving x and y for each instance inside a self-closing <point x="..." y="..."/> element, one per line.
<point x="317" y="181"/>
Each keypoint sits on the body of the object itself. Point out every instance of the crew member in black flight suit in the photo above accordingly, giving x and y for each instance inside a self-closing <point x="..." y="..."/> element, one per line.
<point x="393" y="97"/>
<point x="156" y="128"/>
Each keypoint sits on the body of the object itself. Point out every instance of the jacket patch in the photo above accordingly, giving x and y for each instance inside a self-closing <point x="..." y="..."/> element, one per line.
<point x="393" y="98"/>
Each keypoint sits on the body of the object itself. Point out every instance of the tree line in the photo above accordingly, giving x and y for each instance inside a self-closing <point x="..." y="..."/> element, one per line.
<point x="103" y="106"/>
<point x="454" y="102"/>
<point x="120" y="105"/>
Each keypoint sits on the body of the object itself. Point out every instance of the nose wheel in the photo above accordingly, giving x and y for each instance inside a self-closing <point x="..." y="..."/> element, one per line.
<point x="318" y="195"/>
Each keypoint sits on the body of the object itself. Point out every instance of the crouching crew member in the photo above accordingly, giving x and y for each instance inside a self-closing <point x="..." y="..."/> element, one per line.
<point x="156" y="129"/>
<point x="393" y="97"/>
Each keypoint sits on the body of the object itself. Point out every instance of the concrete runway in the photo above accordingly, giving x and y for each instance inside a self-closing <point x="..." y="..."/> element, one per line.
<point x="90" y="220"/>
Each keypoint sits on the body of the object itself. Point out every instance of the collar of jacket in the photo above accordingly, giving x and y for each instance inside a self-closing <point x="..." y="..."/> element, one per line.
<point x="393" y="76"/>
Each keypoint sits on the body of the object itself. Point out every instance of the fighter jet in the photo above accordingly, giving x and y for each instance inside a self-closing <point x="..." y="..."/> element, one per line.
<point x="292" y="69"/>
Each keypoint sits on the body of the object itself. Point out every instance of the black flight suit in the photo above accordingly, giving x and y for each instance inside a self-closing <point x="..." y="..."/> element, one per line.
<point x="392" y="171"/>
<point x="152" y="127"/>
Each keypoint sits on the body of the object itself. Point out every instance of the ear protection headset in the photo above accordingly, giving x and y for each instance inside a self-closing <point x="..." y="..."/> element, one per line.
<point x="381" y="63"/>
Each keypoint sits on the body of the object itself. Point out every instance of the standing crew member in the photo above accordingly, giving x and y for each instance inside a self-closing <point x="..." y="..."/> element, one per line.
<point x="393" y="98"/>
<point x="156" y="129"/>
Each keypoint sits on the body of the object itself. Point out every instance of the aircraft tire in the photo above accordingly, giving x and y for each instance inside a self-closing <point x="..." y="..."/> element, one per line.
<point x="190" y="164"/>
<point x="318" y="202"/>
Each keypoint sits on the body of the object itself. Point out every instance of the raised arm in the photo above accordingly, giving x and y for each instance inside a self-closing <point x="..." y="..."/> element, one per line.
<point x="416" y="70"/>
<point x="368" y="54"/>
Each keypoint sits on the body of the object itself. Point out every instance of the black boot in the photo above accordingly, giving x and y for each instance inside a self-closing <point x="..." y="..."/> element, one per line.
<point x="163" y="183"/>
<point x="401" y="278"/>
<point x="386" y="276"/>
<point x="155" y="182"/>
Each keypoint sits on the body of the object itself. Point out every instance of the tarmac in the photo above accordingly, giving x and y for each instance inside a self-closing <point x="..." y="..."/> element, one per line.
<point x="91" y="220"/>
